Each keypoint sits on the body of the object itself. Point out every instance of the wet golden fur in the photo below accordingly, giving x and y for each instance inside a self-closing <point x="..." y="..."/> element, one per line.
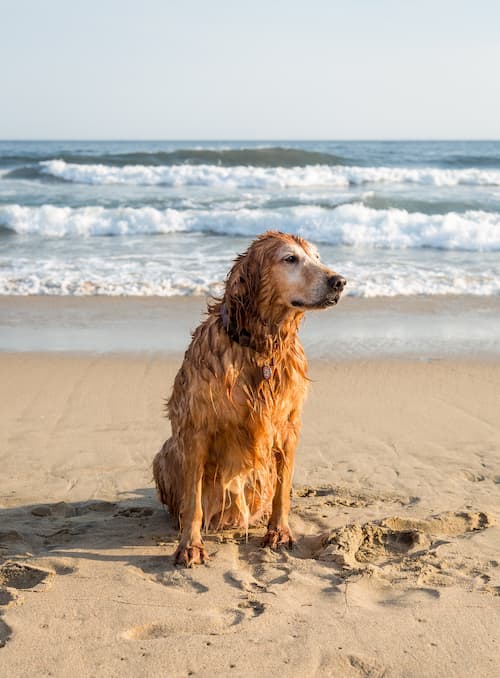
<point x="230" y="457"/>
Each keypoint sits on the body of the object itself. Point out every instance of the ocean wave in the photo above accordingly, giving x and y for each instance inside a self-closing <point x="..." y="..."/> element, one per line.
<point x="239" y="177"/>
<point x="273" y="156"/>
<point x="351" y="225"/>
<point x="248" y="177"/>
<point x="52" y="221"/>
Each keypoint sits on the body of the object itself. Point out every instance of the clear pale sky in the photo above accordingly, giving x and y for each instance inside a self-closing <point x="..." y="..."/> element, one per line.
<point x="254" y="69"/>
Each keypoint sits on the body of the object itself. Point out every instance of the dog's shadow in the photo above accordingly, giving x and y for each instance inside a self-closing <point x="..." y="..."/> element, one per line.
<point x="128" y="530"/>
<point x="137" y="530"/>
<point x="91" y="529"/>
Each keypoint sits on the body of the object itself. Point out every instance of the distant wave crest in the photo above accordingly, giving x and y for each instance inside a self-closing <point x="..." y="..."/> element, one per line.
<point x="273" y="156"/>
<point x="247" y="177"/>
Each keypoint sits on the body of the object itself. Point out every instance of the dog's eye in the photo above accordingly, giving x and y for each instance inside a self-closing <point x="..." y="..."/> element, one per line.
<point x="291" y="259"/>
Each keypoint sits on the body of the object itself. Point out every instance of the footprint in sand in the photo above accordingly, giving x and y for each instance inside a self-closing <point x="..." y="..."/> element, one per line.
<point x="6" y="598"/>
<point x="213" y="622"/>
<point x="22" y="577"/>
<point x="19" y="576"/>
<point x="64" y="510"/>
<point x="209" y="622"/>
<point x="70" y="527"/>
<point x="5" y="633"/>
<point x="254" y="606"/>
<point x="243" y="580"/>
<point x="161" y="571"/>
<point x="366" y="668"/>
<point x="255" y="573"/>
<point x="179" y="579"/>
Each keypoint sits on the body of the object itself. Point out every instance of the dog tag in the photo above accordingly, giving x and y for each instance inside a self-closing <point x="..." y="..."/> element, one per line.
<point x="267" y="372"/>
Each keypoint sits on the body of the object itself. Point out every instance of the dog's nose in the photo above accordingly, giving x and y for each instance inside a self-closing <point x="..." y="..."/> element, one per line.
<point x="337" y="282"/>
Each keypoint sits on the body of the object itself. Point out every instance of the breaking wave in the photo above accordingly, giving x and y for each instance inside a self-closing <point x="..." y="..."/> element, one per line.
<point x="241" y="176"/>
<point x="350" y="224"/>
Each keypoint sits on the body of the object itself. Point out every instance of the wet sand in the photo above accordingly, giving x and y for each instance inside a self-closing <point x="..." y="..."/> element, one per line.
<point x="410" y="327"/>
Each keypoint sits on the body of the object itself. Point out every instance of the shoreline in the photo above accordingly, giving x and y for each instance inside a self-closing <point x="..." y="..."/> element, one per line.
<point x="359" y="328"/>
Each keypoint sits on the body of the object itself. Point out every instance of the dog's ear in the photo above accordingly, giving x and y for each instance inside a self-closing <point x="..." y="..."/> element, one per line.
<point x="242" y="290"/>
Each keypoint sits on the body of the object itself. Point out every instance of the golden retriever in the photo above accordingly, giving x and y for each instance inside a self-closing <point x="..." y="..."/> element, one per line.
<point x="236" y="403"/>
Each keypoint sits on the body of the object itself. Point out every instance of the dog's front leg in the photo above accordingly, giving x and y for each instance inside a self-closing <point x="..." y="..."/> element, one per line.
<point x="278" y="530"/>
<point x="191" y="550"/>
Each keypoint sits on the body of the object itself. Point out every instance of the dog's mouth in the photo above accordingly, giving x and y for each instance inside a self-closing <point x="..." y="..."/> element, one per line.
<point x="329" y="300"/>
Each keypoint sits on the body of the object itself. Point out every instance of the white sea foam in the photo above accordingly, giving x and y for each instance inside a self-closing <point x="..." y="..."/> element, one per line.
<point x="142" y="276"/>
<point x="110" y="267"/>
<point x="261" y="177"/>
<point x="52" y="221"/>
<point x="351" y="225"/>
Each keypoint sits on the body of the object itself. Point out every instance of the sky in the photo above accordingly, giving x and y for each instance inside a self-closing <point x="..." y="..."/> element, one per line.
<point x="254" y="69"/>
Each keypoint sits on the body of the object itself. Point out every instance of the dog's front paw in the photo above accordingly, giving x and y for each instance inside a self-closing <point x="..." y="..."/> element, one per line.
<point x="191" y="554"/>
<point x="278" y="536"/>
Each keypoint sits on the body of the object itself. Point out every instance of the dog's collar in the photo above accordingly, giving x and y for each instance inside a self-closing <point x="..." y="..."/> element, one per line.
<point x="243" y="338"/>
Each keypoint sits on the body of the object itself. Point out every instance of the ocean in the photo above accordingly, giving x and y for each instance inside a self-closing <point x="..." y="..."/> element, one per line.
<point x="160" y="218"/>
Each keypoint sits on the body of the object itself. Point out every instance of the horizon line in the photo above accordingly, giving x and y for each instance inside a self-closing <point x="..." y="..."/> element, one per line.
<point x="253" y="139"/>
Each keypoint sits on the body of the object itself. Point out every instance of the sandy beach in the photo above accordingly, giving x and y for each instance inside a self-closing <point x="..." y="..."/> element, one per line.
<point x="277" y="158"/>
<point x="396" y="509"/>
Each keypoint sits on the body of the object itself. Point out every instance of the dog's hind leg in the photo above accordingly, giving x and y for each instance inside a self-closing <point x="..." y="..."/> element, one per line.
<point x="168" y="477"/>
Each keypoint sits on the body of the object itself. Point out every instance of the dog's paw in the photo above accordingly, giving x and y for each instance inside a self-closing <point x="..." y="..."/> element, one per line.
<point x="191" y="554"/>
<point x="278" y="536"/>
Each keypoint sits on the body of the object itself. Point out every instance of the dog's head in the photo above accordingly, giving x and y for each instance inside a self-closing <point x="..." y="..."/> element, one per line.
<point x="278" y="274"/>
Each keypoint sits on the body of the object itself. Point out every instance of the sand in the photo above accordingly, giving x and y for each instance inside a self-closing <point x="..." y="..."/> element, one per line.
<point x="396" y="508"/>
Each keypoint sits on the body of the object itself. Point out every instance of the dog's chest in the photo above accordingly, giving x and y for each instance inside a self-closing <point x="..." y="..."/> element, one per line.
<point x="267" y="391"/>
